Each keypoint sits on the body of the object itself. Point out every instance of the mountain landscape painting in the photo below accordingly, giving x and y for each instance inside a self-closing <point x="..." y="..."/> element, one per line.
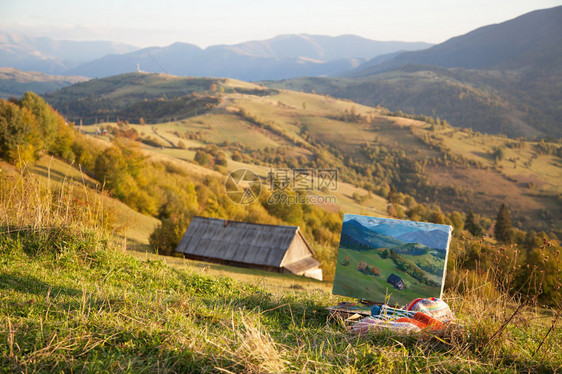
<point x="390" y="260"/>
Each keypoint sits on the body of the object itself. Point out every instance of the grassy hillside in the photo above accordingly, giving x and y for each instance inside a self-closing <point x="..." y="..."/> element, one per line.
<point x="73" y="300"/>
<point x="489" y="101"/>
<point x="133" y="96"/>
<point x="56" y="174"/>
<point x="372" y="148"/>
<point x="14" y="82"/>
<point x="349" y="282"/>
<point x="135" y="228"/>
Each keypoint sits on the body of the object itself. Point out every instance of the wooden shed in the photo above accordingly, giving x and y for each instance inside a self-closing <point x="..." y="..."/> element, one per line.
<point x="396" y="281"/>
<point x="269" y="247"/>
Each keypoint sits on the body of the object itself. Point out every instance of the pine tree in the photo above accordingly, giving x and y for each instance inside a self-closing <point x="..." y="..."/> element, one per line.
<point x="503" y="230"/>
<point x="472" y="226"/>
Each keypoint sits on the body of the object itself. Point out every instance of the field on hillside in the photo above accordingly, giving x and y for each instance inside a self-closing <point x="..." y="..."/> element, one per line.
<point x="525" y="178"/>
<point x="438" y="164"/>
<point x="371" y="203"/>
<point x="491" y="101"/>
<point x="277" y="283"/>
<point x="520" y="160"/>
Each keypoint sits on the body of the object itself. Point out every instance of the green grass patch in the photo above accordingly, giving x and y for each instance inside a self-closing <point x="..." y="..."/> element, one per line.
<point x="88" y="306"/>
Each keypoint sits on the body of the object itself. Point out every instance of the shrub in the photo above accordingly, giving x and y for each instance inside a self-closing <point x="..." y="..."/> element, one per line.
<point x="202" y="158"/>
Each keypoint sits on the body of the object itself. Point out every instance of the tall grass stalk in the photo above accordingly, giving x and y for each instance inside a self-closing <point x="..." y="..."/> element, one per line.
<point x="26" y="204"/>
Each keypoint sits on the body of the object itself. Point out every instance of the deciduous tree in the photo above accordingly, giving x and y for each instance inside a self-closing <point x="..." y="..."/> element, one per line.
<point x="20" y="138"/>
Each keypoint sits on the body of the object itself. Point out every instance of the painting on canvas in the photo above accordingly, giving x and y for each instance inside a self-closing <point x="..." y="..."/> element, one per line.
<point x="390" y="260"/>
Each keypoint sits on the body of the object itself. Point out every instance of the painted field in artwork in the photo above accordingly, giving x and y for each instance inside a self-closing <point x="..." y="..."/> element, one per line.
<point x="392" y="261"/>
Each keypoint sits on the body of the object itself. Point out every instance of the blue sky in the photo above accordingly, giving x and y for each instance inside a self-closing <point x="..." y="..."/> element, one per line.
<point x="147" y="23"/>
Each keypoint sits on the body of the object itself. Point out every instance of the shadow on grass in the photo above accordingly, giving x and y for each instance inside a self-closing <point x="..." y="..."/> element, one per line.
<point x="190" y="263"/>
<point x="32" y="285"/>
<point x="484" y="155"/>
<point x="136" y="246"/>
<point x="58" y="176"/>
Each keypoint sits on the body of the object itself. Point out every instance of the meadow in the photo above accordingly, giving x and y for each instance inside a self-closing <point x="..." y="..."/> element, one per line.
<point x="73" y="299"/>
<point x="423" y="157"/>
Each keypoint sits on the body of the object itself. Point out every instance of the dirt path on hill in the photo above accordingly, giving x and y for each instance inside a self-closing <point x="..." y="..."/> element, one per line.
<point x="163" y="138"/>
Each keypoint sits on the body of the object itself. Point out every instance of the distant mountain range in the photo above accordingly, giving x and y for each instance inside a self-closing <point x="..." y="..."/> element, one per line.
<point x="502" y="78"/>
<point x="50" y="56"/>
<point x="392" y="230"/>
<point x="432" y="239"/>
<point x="285" y="56"/>
<point x="357" y="235"/>
<point x="531" y="41"/>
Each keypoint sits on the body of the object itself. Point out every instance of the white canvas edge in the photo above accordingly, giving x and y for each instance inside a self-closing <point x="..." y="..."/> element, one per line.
<point x="446" y="261"/>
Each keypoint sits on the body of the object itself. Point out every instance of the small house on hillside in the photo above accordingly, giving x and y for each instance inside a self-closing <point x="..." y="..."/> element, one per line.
<point x="269" y="247"/>
<point x="396" y="281"/>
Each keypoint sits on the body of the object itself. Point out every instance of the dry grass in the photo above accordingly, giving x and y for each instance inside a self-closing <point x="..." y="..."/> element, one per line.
<point x="57" y="181"/>
<point x="27" y="204"/>
<point x="254" y="349"/>
<point x="72" y="300"/>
